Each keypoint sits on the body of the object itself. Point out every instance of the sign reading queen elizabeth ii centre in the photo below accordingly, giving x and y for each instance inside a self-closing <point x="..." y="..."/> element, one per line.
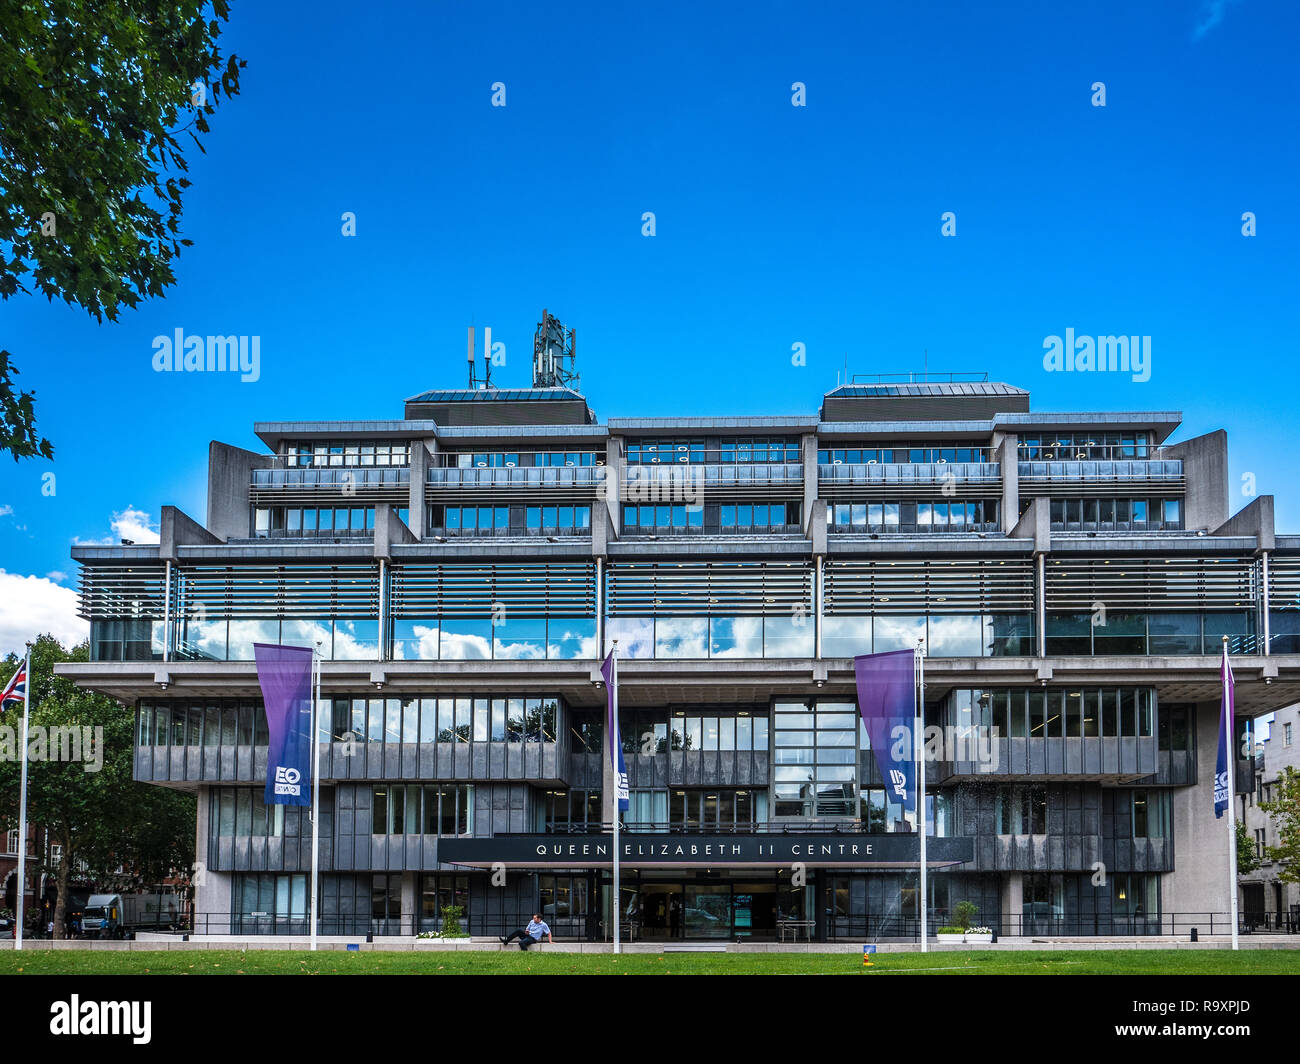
<point x="658" y="850"/>
<point x="284" y="674"/>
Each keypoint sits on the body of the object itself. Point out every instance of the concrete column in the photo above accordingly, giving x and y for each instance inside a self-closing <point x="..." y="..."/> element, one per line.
<point x="1012" y="902"/>
<point x="808" y="455"/>
<point x="1205" y="468"/>
<point x="1006" y="452"/>
<point x="415" y="505"/>
<point x="613" y="493"/>
<point x="410" y="905"/>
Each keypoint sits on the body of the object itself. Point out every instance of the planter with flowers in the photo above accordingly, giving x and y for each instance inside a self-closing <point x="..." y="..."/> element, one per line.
<point x="961" y="931"/>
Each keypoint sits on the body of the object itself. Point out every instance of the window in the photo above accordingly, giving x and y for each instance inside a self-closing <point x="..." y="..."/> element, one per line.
<point x="411" y="809"/>
<point x="815" y="759"/>
<point x="1286" y="734"/>
<point x="441" y="891"/>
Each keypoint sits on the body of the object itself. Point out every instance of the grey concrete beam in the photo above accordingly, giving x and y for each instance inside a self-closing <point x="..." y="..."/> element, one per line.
<point x="177" y="528"/>
<point x="415" y="511"/>
<point x="1036" y="525"/>
<point x="1254" y="520"/>
<point x="390" y="529"/>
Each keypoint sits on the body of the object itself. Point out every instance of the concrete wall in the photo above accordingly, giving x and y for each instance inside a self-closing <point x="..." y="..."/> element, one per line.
<point x="1205" y="467"/>
<point x="1199" y="883"/>
<point x="229" y="475"/>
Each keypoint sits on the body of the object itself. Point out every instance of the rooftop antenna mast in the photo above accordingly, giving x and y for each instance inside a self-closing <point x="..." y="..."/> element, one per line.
<point x="554" y="355"/>
<point x="486" y="382"/>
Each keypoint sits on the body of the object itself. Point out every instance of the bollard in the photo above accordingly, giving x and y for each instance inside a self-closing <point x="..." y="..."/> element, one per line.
<point x="1194" y="935"/>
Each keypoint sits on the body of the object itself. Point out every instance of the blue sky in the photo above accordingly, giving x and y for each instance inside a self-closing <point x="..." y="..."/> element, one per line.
<point x="774" y="225"/>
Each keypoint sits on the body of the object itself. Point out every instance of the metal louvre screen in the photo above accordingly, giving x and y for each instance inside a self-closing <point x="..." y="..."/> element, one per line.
<point x="716" y="588"/>
<point x="929" y="586"/>
<point x="345" y="592"/>
<point x="116" y="591"/>
<point x="1283" y="583"/>
<point x="560" y="590"/>
<point x="1077" y="584"/>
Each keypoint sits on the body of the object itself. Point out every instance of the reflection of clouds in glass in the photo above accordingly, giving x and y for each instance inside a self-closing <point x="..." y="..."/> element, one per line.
<point x="207" y="638"/>
<point x="464" y="646"/>
<point x="746" y="633"/>
<point x="635" y="636"/>
<point x="356" y="640"/>
<point x="682" y="637"/>
<point x="243" y="634"/>
<point x="420" y="645"/>
<point x="306" y="634"/>
<point x="846" y="636"/>
<point x="785" y="639"/>
<point x="528" y="651"/>
<point x="955" y="637"/>
<point x="575" y="639"/>
<point x="897" y="633"/>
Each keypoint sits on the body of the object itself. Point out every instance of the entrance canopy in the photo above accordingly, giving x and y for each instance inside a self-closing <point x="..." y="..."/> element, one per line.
<point x="705" y="851"/>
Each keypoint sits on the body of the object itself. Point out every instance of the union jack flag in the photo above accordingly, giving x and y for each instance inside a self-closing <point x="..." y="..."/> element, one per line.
<point x="15" y="690"/>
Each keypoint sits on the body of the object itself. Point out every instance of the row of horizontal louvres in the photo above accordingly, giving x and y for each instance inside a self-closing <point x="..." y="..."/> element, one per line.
<point x="884" y="586"/>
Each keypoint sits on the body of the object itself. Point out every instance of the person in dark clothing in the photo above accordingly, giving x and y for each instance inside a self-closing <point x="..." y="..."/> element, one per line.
<point x="531" y="934"/>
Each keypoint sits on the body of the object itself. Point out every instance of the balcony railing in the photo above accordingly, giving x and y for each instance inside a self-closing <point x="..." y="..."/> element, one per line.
<point x="1136" y="469"/>
<point x="515" y="477"/>
<point x="893" y="474"/>
<point x="677" y="531"/>
<point x="333" y="478"/>
<point x="545" y="532"/>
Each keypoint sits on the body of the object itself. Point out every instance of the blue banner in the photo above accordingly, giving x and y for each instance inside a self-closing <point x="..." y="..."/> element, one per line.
<point x="1227" y="729"/>
<point x="284" y="674"/>
<point x="887" y="702"/>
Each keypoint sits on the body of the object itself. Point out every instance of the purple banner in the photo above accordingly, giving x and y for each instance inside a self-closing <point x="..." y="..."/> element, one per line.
<point x="615" y="738"/>
<point x="887" y="700"/>
<point x="285" y="676"/>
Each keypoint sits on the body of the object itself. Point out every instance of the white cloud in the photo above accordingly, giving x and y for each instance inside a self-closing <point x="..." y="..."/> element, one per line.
<point x="132" y="524"/>
<point x="6" y="510"/>
<point x="1212" y="12"/>
<point x="35" y="606"/>
<point x="57" y="575"/>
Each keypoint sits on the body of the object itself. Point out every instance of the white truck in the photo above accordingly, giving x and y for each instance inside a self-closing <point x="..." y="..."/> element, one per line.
<point x="117" y="915"/>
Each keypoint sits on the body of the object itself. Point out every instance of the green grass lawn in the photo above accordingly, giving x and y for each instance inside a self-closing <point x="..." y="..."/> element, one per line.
<point x="333" y="962"/>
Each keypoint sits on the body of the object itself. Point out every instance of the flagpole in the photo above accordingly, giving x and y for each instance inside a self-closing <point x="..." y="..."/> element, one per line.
<point x="1229" y="742"/>
<point x="613" y="737"/>
<point x="920" y="783"/>
<point x="22" y="804"/>
<point x="315" y="794"/>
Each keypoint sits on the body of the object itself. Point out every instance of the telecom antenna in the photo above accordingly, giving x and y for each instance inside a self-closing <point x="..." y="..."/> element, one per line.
<point x="554" y="358"/>
<point x="486" y="382"/>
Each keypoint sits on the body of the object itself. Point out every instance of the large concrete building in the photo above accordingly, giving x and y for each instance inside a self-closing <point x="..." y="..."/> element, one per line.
<point x="1071" y="577"/>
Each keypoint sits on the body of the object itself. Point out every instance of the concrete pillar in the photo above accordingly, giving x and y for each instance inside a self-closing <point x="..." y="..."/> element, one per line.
<point x="613" y="493"/>
<point x="410" y="905"/>
<point x="1205" y="469"/>
<point x="415" y="518"/>
<point x="1012" y="902"/>
<point x="808" y="455"/>
<point x="1006" y="452"/>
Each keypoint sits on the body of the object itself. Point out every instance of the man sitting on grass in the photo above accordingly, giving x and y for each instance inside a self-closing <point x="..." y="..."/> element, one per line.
<point x="531" y="934"/>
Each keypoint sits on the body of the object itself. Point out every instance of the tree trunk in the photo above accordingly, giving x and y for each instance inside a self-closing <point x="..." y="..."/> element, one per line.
<point x="61" y="905"/>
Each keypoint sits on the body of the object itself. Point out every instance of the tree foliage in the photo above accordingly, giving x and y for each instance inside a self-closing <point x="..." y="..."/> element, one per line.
<point x="114" y="831"/>
<point x="1247" y="852"/>
<point x="94" y="101"/>
<point x="18" y="417"/>
<point x="1284" y="810"/>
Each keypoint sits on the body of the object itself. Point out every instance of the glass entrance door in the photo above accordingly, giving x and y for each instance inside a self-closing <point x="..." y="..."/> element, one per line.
<point x="708" y="910"/>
